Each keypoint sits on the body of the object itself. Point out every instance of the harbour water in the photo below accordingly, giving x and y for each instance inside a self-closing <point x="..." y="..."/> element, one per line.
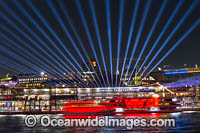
<point x="185" y="122"/>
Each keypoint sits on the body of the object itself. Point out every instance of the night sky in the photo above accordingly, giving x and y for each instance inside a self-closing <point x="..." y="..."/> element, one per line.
<point x="186" y="53"/>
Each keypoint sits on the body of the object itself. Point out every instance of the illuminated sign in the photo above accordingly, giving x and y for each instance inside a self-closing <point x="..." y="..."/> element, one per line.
<point x="175" y="72"/>
<point x="142" y="103"/>
<point x="126" y="90"/>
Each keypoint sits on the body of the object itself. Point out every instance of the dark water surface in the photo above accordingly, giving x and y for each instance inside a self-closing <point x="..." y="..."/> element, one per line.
<point x="185" y="122"/>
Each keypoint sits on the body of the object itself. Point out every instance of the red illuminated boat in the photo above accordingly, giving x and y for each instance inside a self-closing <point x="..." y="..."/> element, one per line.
<point x="84" y="109"/>
<point x="141" y="105"/>
<point x="119" y="105"/>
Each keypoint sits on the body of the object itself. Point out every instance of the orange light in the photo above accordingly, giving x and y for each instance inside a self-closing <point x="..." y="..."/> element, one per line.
<point x="155" y="115"/>
<point x="194" y="71"/>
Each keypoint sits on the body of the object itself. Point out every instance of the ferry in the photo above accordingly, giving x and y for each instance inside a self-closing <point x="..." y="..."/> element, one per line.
<point x="119" y="106"/>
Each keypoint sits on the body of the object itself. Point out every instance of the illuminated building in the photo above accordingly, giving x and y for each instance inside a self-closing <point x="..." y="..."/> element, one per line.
<point x="93" y="72"/>
<point x="36" y="92"/>
<point x="92" y="65"/>
<point x="171" y="75"/>
<point x="110" y="92"/>
<point x="7" y="96"/>
<point x="47" y="92"/>
<point x="180" y="81"/>
<point x="31" y="80"/>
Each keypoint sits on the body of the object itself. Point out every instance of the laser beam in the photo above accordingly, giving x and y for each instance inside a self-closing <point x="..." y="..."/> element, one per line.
<point x="57" y="38"/>
<point x="22" y="42"/>
<point x="130" y="36"/>
<point x="172" y="33"/>
<point x="176" y="44"/>
<point x="162" y="33"/>
<point x="150" y="34"/>
<point x="121" y="15"/>
<point x="98" y="36"/>
<point x="79" y="40"/>
<point x="66" y="31"/>
<point x="83" y="20"/>
<point x="147" y="7"/>
<point x="109" y="38"/>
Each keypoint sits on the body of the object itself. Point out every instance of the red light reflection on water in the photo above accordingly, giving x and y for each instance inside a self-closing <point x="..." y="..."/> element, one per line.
<point x="154" y="115"/>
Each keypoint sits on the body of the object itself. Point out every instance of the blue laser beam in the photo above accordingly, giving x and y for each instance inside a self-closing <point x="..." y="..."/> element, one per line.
<point x="5" y="50"/>
<point x="121" y="15"/>
<point x="20" y="59"/>
<point x="22" y="42"/>
<point x="88" y="35"/>
<point x="194" y="80"/>
<point x="147" y="7"/>
<point x="7" y="67"/>
<point x="66" y="32"/>
<point x="56" y="37"/>
<point x="176" y="44"/>
<point x="172" y="33"/>
<point x="78" y="38"/>
<point x="32" y="33"/>
<point x="150" y="33"/>
<point x="28" y="29"/>
<point x="109" y="38"/>
<point x="19" y="39"/>
<point x="11" y="65"/>
<point x="50" y="29"/>
<point x="38" y="27"/>
<point x="130" y="35"/>
<point x="162" y="33"/>
<point x="22" y="32"/>
<point x="18" y="49"/>
<point x="16" y="65"/>
<point x="98" y="36"/>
